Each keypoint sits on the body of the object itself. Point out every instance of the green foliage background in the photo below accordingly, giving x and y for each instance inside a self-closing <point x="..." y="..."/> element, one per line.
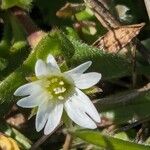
<point x="18" y="57"/>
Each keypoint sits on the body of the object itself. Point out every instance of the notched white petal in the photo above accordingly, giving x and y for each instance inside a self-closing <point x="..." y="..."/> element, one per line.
<point x="41" y="68"/>
<point x="28" y="102"/>
<point x="52" y="64"/>
<point x="80" y="69"/>
<point x="87" y="106"/>
<point x="87" y="80"/>
<point x="78" y="115"/>
<point x="27" y="89"/>
<point x="42" y="116"/>
<point x="54" y="118"/>
<point x="32" y="101"/>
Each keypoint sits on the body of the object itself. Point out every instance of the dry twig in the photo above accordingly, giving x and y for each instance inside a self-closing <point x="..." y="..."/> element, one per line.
<point x="68" y="142"/>
<point x="37" y="144"/>
<point x="123" y="98"/>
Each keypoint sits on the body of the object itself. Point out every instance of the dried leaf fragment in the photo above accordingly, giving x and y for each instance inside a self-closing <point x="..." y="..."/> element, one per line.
<point x="119" y="37"/>
<point x="69" y="9"/>
<point x="17" y="120"/>
<point x="35" y="37"/>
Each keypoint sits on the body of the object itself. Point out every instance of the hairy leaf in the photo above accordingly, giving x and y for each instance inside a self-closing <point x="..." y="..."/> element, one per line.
<point x="108" y="142"/>
<point x="110" y="65"/>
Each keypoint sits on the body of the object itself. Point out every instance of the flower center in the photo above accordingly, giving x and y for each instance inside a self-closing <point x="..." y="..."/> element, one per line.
<point x="58" y="87"/>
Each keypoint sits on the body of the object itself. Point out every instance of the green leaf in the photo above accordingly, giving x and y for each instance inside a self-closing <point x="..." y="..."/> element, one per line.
<point x="5" y="42"/>
<point x="143" y="69"/>
<point x="122" y="135"/>
<point x="109" y="65"/>
<point x="86" y="14"/>
<point x="137" y="108"/>
<point x="108" y="142"/>
<point x="13" y="45"/>
<point x="19" y="36"/>
<point x="146" y="43"/>
<point x="57" y="43"/>
<point x="20" y="3"/>
<point x="71" y="33"/>
<point x="3" y="63"/>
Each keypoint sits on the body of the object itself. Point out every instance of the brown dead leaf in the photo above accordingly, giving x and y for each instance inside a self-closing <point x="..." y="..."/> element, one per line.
<point x="105" y="122"/>
<point x="35" y="37"/>
<point x="17" y="120"/>
<point x="117" y="38"/>
<point x="69" y="9"/>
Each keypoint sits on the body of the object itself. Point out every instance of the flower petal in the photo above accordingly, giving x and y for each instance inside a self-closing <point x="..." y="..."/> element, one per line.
<point x="87" y="105"/>
<point x="32" y="101"/>
<point x="78" y="115"/>
<point x="42" y="116"/>
<point x="80" y="69"/>
<point x="41" y="68"/>
<point x="87" y="80"/>
<point x="27" y="89"/>
<point x="52" y="64"/>
<point x="54" y="118"/>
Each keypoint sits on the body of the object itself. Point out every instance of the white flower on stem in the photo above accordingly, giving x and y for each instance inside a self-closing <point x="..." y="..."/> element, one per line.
<point x="54" y="90"/>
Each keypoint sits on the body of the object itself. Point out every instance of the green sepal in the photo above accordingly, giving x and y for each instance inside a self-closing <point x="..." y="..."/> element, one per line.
<point x="66" y="120"/>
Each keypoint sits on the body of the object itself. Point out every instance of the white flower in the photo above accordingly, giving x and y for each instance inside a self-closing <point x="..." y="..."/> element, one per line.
<point x="54" y="90"/>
